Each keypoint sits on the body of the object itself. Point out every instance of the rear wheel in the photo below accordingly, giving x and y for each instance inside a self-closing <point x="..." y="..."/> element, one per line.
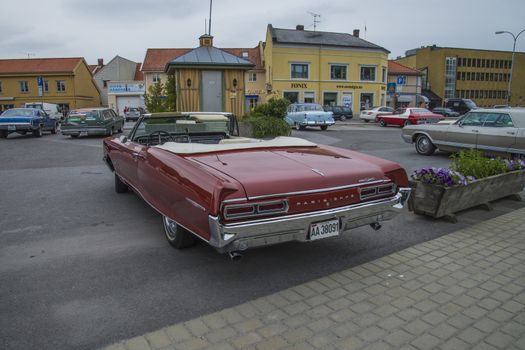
<point x="74" y="136"/>
<point x="37" y="132"/>
<point x="366" y="120"/>
<point x="382" y="122"/>
<point x="177" y="236"/>
<point x="120" y="186"/>
<point x="324" y="127"/>
<point x="3" y="134"/>
<point x="299" y="127"/>
<point x="424" y="146"/>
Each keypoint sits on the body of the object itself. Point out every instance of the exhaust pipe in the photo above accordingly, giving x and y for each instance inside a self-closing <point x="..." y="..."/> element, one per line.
<point x="235" y="255"/>
<point x="376" y="226"/>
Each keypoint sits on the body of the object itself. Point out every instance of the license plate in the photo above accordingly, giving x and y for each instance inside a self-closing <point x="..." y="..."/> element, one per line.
<point x="324" y="229"/>
<point x="11" y="127"/>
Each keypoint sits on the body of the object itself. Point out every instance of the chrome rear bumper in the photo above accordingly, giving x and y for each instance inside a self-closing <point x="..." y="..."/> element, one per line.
<point x="257" y="233"/>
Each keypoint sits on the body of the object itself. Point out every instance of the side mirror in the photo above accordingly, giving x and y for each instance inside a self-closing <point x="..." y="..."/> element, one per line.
<point x="123" y="138"/>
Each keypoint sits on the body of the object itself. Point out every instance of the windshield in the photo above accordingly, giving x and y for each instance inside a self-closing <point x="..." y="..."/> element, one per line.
<point x="420" y="110"/>
<point x="182" y="128"/>
<point x="470" y="104"/>
<point x="18" y="112"/>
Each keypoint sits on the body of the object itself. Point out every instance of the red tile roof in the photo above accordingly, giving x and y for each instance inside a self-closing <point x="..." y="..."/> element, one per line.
<point x="156" y="59"/>
<point x="138" y="74"/>
<point x="396" y="68"/>
<point x="39" y="65"/>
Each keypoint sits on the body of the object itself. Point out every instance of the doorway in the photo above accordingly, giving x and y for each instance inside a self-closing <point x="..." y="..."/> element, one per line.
<point x="212" y="91"/>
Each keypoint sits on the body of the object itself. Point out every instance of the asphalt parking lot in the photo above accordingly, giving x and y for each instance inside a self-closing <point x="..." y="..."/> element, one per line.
<point x="82" y="267"/>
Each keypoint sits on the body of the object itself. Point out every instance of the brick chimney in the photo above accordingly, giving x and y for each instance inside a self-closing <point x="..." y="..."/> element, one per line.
<point x="100" y="62"/>
<point x="356" y="33"/>
<point x="299" y="27"/>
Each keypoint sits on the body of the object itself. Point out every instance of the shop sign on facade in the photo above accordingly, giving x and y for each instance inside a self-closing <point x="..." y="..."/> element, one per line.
<point x="126" y="87"/>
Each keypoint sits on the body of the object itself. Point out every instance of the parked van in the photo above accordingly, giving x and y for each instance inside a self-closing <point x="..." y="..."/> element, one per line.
<point x="50" y="108"/>
<point x="460" y="105"/>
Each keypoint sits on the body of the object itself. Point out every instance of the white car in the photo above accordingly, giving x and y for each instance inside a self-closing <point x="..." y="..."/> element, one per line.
<point x="371" y="114"/>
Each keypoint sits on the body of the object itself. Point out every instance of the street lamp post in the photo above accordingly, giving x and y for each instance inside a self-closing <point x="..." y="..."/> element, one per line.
<point x="515" y="37"/>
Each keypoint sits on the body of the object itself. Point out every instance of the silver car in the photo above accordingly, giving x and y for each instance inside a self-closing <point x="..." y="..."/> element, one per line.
<point x="492" y="131"/>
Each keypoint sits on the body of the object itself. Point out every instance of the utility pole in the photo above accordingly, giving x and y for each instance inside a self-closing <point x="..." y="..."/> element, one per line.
<point x="209" y="27"/>
<point x="515" y="37"/>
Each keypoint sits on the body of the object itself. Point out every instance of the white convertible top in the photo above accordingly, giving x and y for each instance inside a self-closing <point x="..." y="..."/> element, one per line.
<point x="234" y="144"/>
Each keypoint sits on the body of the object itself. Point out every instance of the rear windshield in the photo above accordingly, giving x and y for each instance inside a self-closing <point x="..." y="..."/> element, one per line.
<point x="82" y="114"/>
<point x="18" y="113"/>
<point x="181" y="126"/>
<point x="420" y="110"/>
<point x="34" y="105"/>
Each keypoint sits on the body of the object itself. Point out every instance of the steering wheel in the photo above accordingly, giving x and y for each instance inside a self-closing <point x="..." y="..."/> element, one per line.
<point x="161" y="133"/>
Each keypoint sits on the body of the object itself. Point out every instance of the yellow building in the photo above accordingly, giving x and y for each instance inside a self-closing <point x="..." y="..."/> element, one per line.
<point x="324" y="67"/>
<point x="479" y="75"/>
<point x="66" y="81"/>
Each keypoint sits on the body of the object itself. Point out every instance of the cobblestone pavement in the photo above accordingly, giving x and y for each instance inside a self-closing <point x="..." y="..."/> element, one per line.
<point x="464" y="290"/>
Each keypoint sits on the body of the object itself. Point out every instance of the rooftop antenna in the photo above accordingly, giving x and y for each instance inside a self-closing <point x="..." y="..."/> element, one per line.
<point x="29" y="54"/>
<point x="316" y="16"/>
<point x="205" y="24"/>
<point x="209" y="27"/>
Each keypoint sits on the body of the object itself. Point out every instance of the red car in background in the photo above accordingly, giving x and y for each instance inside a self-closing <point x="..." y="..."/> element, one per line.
<point x="408" y="116"/>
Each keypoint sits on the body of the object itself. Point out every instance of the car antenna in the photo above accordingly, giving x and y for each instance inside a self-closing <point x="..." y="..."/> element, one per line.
<point x="220" y="161"/>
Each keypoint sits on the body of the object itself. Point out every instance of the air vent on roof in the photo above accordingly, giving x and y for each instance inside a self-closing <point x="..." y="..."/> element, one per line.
<point x="299" y="27"/>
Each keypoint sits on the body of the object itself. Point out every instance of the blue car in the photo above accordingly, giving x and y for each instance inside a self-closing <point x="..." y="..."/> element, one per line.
<point x="24" y="120"/>
<point x="301" y="115"/>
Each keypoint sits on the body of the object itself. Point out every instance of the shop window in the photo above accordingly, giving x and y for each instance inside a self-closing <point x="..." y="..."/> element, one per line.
<point x="338" y="71"/>
<point x="24" y="86"/>
<point x="309" y="97"/>
<point x="366" y="101"/>
<point x="330" y="99"/>
<point x="299" y="70"/>
<point x="252" y="103"/>
<point x="292" y="96"/>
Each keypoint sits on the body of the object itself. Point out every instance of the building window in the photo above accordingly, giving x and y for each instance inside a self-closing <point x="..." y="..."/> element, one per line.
<point x="46" y="86"/>
<point x="24" y="86"/>
<point x="156" y="78"/>
<point x="330" y="99"/>
<point x="61" y="85"/>
<point x="450" y="76"/>
<point x="245" y="54"/>
<point x="383" y="75"/>
<point x="366" y="101"/>
<point x="491" y="63"/>
<point x="468" y="75"/>
<point x="510" y="64"/>
<point x="469" y="62"/>
<point x="252" y="102"/>
<point x="300" y="70"/>
<point x="292" y="96"/>
<point x="368" y="73"/>
<point x="252" y="76"/>
<point x="338" y="72"/>
<point x="105" y="83"/>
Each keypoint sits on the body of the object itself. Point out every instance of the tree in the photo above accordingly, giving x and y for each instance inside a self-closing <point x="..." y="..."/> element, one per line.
<point x="161" y="97"/>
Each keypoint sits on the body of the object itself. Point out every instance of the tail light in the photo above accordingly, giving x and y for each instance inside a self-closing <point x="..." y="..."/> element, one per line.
<point x="248" y="210"/>
<point x="377" y="191"/>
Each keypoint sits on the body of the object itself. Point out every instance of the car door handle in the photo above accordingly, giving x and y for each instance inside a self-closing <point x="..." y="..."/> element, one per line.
<point x="138" y="155"/>
<point x="474" y="130"/>
<point x="511" y="133"/>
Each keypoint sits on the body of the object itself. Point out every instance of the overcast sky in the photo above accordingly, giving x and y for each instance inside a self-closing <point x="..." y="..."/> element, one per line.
<point x="105" y="28"/>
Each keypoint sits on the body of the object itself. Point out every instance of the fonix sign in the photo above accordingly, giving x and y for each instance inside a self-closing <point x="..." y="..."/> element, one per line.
<point x="299" y="86"/>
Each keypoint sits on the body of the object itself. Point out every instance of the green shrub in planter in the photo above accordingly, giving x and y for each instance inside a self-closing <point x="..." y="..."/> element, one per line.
<point x="472" y="163"/>
<point x="267" y="119"/>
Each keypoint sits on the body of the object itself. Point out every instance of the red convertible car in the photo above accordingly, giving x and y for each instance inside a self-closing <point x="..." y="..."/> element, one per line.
<point x="409" y="116"/>
<point x="237" y="193"/>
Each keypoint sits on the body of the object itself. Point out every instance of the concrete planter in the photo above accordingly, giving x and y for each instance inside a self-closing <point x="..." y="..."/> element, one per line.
<point x="443" y="202"/>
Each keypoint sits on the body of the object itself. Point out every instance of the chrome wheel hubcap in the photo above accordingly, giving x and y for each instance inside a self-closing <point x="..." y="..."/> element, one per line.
<point x="171" y="228"/>
<point x="423" y="144"/>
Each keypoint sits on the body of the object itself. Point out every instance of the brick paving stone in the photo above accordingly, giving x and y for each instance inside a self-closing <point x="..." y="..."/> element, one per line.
<point x="214" y="321"/>
<point x="443" y="331"/>
<point x="273" y="343"/>
<point x="248" y="325"/>
<point x="489" y="304"/>
<point x="486" y="325"/>
<point x="455" y="344"/>
<point x="158" y="339"/>
<point x="367" y="319"/>
<point x="246" y="339"/>
<point x="197" y="327"/>
<point x="346" y="329"/>
<point x="471" y="335"/>
<point x="350" y="343"/>
<point x="398" y="338"/>
<point x="298" y="334"/>
<point x="137" y="343"/>
<point x="391" y="322"/>
<point x="178" y="333"/>
<point x="377" y="346"/>
<point x="425" y="342"/>
<point x="499" y="340"/>
<point x="221" y="334"/>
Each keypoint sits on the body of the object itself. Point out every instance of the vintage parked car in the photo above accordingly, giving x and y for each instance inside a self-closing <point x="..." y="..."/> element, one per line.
<point x="133" y="113"/>
<point x="446" y="112"/>
<point x="370" y="115"/>
<point x="493" y="131"/>
<point x="301" y="115"/>
<point x="24" y="120"/>
<point x="92" y="121"/>
<point x="340" y="112"/>
<point x="237" y="193"/>
<point x="407" y="116"/>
